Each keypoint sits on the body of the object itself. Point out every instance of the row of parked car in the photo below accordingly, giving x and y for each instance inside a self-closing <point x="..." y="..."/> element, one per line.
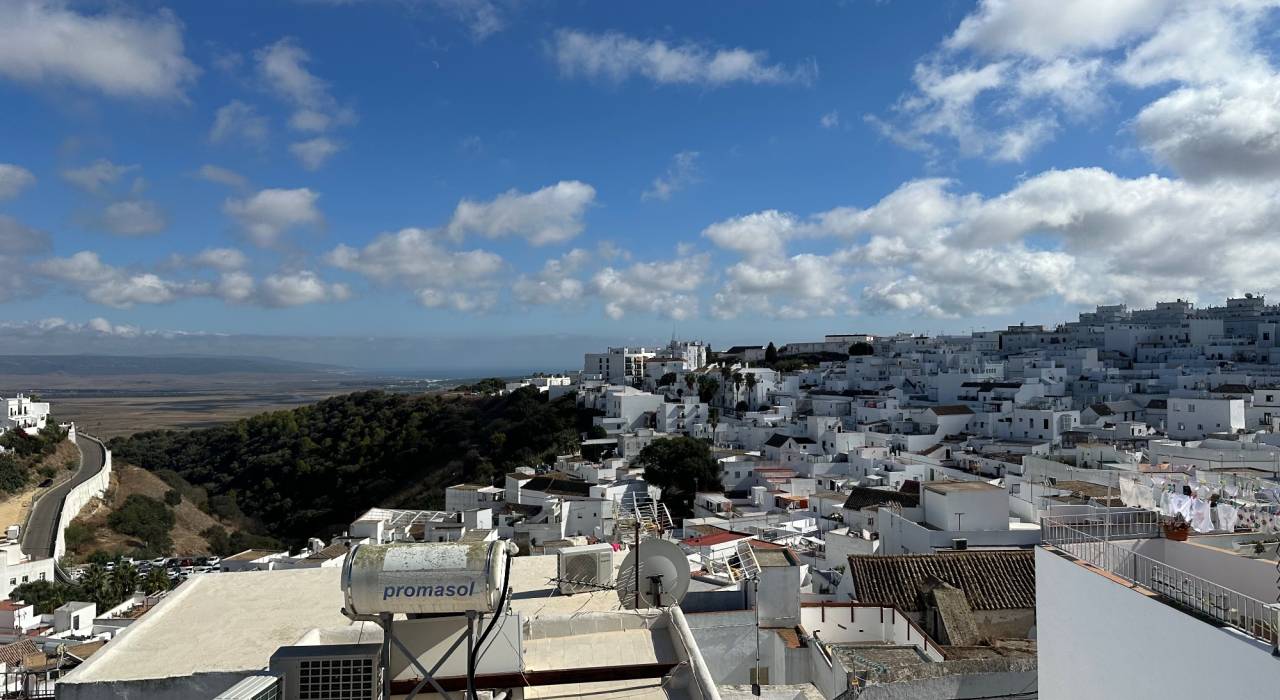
<point x="177" y="568"/>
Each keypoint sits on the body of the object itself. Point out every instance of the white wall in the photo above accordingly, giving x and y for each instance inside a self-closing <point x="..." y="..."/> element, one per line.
<point x="79" y="496"/>
<point x="1100" y="639"/>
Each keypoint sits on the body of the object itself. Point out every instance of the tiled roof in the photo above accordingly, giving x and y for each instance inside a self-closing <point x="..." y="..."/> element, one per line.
<point x="1001" y="580"/>
<point x="12" y="654"/>
<point x="333" y="551"/>
<point x="951" y="410"/>
<point x="861" y="497"/>
<point x="714" y="538"/>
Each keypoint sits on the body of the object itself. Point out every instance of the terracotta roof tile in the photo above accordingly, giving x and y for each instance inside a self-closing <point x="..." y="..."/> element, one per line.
<point x="1002" y="580"/>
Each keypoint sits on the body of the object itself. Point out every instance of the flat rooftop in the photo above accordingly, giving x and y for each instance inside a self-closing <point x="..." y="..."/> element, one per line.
<point x="535" y="595"/>
<point x="228" y="622"/>
<point x="959" y="486"/>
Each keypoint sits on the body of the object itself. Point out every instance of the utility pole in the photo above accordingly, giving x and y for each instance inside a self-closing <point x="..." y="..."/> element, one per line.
<point x="755" y="682"/>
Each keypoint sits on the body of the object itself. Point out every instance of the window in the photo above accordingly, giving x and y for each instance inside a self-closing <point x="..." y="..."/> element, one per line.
<point x="13" y="582"/>
<point x="25" y="579"/>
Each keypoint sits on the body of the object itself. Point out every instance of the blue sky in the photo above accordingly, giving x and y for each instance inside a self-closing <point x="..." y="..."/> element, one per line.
<point x="503" y="170"/>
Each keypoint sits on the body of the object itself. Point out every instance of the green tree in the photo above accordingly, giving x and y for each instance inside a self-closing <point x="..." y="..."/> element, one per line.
<point x="861" y="348"/>
<point x="681" y="467"/>
<point x="147" y="519"/>
<point x="595" y="452"/>
<point x="125" y="579"/>
<point x="45" y="595"/>
<point x="689" y="380"/>
<point x="156" y="581"/>
<point x="172" y="497"/>
<point x="770" y="353"/>
<point x="751" y="394"/>
<point x="97" y="586"/>
<point x="218" y="539"/>
<point x="707" y="388"/>
<point x="13" y="473"/>
<point x="667" y="379"/>
<point x="78" y="535"/>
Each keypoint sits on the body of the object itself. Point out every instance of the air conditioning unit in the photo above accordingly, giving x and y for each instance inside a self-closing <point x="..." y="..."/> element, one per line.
<point x="585" y="569"/>
<point x="960" y="543"/>
<point x="337" y="671"/>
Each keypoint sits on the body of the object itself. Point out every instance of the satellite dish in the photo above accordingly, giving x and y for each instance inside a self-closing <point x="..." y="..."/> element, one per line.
<point x="663" y="575"/>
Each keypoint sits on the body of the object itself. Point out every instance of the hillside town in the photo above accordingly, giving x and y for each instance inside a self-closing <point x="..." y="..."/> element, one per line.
<point x="887" y="517"/>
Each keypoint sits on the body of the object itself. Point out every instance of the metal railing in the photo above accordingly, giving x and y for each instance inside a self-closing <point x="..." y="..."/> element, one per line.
<point x="1186" y="591"/>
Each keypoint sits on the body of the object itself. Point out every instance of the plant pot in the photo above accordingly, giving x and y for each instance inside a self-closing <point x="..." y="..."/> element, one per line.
<point x="1177" y="533"/>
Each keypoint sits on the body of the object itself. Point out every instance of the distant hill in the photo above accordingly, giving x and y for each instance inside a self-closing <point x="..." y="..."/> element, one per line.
<point x="309" y="471"/>
<point x="112" y="365"/>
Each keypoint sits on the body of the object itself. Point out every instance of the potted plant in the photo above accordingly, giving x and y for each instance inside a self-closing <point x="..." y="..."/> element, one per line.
<point x="1177" y="529"/>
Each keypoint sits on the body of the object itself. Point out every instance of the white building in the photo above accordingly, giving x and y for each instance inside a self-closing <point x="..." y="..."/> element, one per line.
<point x="21" y="413"/>
<point x="1194" y="418"/>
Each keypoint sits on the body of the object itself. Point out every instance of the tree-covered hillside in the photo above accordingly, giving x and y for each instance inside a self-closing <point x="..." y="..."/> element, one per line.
<point x="310" y="470"/>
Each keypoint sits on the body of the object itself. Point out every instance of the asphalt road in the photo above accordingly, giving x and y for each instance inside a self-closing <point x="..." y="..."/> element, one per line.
<point x="41" y="530"/>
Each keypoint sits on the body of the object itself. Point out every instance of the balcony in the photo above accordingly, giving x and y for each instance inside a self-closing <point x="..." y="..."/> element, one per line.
<point x="1129" y="547"/>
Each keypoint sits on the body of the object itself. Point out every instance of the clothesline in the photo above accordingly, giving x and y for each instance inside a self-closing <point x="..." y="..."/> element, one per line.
<point x="1205" y="506"/>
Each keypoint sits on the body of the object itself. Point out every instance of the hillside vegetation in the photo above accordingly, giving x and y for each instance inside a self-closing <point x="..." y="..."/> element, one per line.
<point x="308" y="471"/>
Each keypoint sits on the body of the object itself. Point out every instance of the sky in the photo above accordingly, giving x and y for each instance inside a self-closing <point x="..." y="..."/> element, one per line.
<point x="440" y="183"/>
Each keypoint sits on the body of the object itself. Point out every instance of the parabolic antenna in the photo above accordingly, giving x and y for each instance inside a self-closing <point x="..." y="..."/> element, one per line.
<point x="663" y="579"/>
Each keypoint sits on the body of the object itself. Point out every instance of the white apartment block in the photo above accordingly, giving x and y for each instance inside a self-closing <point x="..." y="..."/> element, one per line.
<point x="21" y="413"/>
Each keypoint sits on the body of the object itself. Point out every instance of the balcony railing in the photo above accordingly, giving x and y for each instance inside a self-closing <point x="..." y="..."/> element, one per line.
<point x="1083" y="539"/>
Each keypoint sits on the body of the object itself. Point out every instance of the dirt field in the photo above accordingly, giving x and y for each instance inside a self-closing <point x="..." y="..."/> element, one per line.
<point x="108" y="406"/>
<point x="14" y="509"/>
<point x="127" y="479"/>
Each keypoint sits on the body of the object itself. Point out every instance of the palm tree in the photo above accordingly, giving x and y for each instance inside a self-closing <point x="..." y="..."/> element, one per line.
<point x="751" y="385"/>
<point x="125" y="578"/>
<point x="96" y="585"/>
<point x="689" y="380"/>
<point x="737" y="387"/>
<point x="156" y="581"/>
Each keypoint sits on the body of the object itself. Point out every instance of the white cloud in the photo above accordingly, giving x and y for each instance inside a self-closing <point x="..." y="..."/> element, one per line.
<point x="236" y="286"/>
<point x="266" y="215"/>
<point x="555" y="284"/>
<point x="796" y="287"/>
<point x="313" y="153"/>
<point x="481" y="17"/>
<point x="298" y="288"/>
<point x="1049" y="28"/>
<point x="998" y="87"/>
<point x="225" y="259"/>
<point x="283" y="68"/>
<point x="237" y="121"/>
<point x="97" y="176"/>
<point x="133" y="217"/>
<point x="112" y="286"/>
<point x="759" y="235"/>
<point x="830" y="120"/>
<point x="16" y="238"/>
<point x="617" y="57"/>
<point x="552" y="214"/>
<point x="416" y="258"/>
<point x="682" y="172"/>
<point x="458" y="301"/>
<point x="118" y="53"/>
<point x="13" y="180"/>
<point x="661" y="288"/>
<point x="222" y="176"/>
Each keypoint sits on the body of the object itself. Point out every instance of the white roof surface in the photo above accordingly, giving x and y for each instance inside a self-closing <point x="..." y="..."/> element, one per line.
<point x="222" y="622"/>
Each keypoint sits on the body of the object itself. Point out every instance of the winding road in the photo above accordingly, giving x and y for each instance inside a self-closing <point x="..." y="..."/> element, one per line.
<point x="42" y="527"/>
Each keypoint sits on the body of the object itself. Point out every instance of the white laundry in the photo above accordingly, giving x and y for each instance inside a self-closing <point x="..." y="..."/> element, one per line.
<point x="1227" y="516"/>
<point x="1201" y="516"/>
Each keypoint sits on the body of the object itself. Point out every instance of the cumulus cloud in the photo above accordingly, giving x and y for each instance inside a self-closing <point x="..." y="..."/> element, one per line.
<point x="298" y="288"/>
<point x="313" y="153"/>
<point x="682" y="172"/>
<point x="239" y="122"/>
<point x="225" y="259"/>
<point x="1002" y="83"/>
<point x="617" y="57"/>
<point x="830" y="120"/>
<point x="16" y="238"/>
<point x="13" y="180"/>
<point x="133" y="217"/>
<point x="552" y="214"/>
<point x="662" y="288"/>
<point x="556" y="283"/>
<point x="759" y="235"/>
<point x="112" y="51"/>
<point x="796" y="287"/>
<point x="282" y="67"/>
<point x="268" y="214"/>
<point x="417" y="259"/>
<point x="98" y="176"/>
<point x="222" y="176"/>
<point x="108" y="285"/>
